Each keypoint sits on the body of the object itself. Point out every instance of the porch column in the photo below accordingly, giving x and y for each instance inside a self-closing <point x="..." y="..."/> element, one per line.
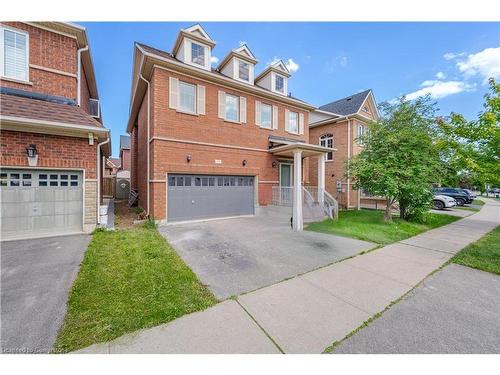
<point x="321" y="178"/>
<point x="297" y="221"/>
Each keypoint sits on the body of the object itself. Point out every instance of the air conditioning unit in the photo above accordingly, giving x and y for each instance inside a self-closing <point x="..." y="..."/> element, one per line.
<point x="94" y="108"/>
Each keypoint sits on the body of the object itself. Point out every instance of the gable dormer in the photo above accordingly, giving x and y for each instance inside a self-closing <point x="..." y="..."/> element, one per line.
<point x="194" y="47"/>
<point x="239" y="64"/>
<point x="274" y="78"/>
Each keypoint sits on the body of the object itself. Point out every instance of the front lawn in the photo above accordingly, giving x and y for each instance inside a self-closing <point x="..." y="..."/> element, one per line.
<point x="129" y="279"/>
<point x="369" y="225"/>
<point x="478" y="202"/>
<point x="483" y="254"/>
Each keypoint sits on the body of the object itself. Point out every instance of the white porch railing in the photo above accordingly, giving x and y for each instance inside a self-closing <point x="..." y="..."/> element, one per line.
<point x="282" y="195"/>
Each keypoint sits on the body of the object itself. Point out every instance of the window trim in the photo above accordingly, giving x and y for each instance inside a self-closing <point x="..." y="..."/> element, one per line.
<point x="2" y="54"/>
<point x="237" y="70"/>
<point x="238" y="120"/>
<point x="205" y="57"/>
<point x="358" y="135"/>
<point x="187" y="111"/>
<point x="298" y="122"/>
<point x="325" y="138"/>
<point x="262" y="104"/>
<point x="276" y="75"/>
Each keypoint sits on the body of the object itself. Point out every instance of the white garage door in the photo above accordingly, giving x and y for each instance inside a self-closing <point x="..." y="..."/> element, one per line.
<point x="40" y="202"/>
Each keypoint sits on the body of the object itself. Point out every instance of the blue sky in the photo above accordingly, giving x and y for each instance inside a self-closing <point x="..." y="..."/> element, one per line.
<point x="330" y="60"/>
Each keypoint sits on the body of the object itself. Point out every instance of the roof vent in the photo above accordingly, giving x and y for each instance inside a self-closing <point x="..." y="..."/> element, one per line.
<point x="349" y="98"/>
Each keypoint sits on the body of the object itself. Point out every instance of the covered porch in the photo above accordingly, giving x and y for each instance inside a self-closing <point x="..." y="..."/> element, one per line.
<point x="308" y="203"/>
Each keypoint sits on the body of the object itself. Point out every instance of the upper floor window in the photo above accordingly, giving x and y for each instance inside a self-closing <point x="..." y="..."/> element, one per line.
<point x="187" y="97"/>
<point x="197" y="54"/>
<point x="293" y="122"/>
<point x="14" y="54"/>
<point x="232" y="108"/>
<point x="279" y="84"/>
<point x="326" y="140"/>
<point x="360" y="133"/>
<point x="266" y="116"/>
<point x="243" y="70"/>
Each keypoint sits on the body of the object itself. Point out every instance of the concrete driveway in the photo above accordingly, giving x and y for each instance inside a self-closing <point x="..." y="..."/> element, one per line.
<point x="234" y="256"/>
<point x="36" y="278"/>
<point x="454" y="311"/>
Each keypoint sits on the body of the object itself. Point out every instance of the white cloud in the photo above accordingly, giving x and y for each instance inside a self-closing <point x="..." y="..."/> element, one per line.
<point x="343" y="61"/>
<point x="451" y="55"/>
<point x="214" y="60"/>
<point x="291" y="65"/>
<point x="440" y="75"/>
<point x="485" y="63"/>
<point x="440" y="89"/>
<point x="242" y="42"/>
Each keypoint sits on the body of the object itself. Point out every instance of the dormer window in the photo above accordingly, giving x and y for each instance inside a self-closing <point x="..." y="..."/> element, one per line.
<point x="243" y="70"/>
<point x="279" y="84"/>
<point x="198" y="54"/>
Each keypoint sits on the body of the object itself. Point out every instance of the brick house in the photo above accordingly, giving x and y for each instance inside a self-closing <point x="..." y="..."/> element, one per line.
<point x="125" y="162"/>
<point x="338" y="125"/>
<point x="52" y="136"/>
<point x="216" y="142"/>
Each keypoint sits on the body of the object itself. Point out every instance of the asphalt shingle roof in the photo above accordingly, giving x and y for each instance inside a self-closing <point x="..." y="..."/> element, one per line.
<point x="348" y="105"/>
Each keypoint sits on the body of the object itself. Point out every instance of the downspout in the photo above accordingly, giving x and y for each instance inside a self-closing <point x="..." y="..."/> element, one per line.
<point x="148" y="141"/>
<point x="98" y="167"/>
<point x="348" y="162"/>
<point x="79" y="74"/>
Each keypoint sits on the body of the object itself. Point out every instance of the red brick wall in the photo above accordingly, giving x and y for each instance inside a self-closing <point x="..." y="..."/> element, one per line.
<point x="49" y="50"/>
<point x="170" y="157"/>
<point x="125" y="157"/>
<point x="133" y="158"/>
<point x="54" y="151"/>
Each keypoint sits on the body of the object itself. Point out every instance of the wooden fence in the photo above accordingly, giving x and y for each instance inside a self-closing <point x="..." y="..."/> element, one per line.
<point x="108" y="186"/>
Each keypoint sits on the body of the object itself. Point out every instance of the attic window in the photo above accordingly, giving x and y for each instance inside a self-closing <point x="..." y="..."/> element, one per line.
<point x="279" y="84"/>
<point x="197" y="54"/>
<point x="243" y="71"/>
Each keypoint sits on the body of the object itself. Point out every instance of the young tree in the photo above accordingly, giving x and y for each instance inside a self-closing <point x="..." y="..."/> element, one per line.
<point x="399" y="159"/>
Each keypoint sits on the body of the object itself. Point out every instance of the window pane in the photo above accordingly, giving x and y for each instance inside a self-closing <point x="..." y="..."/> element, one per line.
<point x="42" y="183"/>
<point x="211" y="181"/>
<point x="220" y="181"/>
<point x="279" y="84"/>
<point x="187" y="97"/>
<point x="14" y="183"/>
<point x="171" y="181"/>
<point x="53" y="176"/>
<point x="3" y="175"/>
<point x="15" y="55"/>
<point x="180" y="181"/>
<point x="64" y="183"/>
<point x="64" y="177"/>
<point x="26" y="176"/>
<point x="26" y="183"/>
<point x="244" y="71"/>
<point x="266" y="114"/>
<point x="42" y="176"/>
<point x="14" y="176"/>
<point x="74" y="177"/>
<point x="53" y="183"/>
<point x="232" y="108"/>
<point x="204" y="181"/>
<point x="74" y="183"/>
<point x="187" y="181"/>
<point x="293" y="124"/>
<point x="197" y="54"/>
<point x="197" y="181"/>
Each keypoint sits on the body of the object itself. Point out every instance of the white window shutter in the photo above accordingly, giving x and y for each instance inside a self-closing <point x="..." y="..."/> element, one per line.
<point x="258" y="120"/>
<point x="287" y="120"/>
<point x="222" y="104"/>
<point x="173" y="97"/>
<point x="243" y="109"/>
<point x="275" y="117"/>
<point x="201" y="99"/>
<point x="301" y="123"/>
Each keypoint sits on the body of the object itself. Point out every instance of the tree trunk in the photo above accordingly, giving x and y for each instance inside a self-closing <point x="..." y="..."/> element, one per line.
<point x="387" y="213"/>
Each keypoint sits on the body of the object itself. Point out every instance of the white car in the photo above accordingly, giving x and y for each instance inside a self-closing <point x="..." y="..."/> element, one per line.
<point x="440" y="202"/>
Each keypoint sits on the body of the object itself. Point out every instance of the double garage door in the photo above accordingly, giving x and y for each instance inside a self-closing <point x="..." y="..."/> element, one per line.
<point x="192" y="197"/>
<point x="40" y="202"/>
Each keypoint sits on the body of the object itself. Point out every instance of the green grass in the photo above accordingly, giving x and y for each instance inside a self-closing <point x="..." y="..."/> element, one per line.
<point x="478" y="202"/>
<point x="483" y="254"/>
<point x="369" y="225"/>
<point x="128" y="280"/>
<point x="467" y="208"/>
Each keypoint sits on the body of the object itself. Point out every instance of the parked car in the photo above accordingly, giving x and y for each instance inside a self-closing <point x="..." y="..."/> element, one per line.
<point x="440" y="202"/>
<point x="458" y="194"/>
<point x="471" y="193"/>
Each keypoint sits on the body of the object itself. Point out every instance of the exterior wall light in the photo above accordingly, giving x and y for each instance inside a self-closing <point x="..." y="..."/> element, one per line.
<point x="32" y="154"/>
<point x="274" y="165"/>
<point x="189" y="158"/>
<point x="244" y="162"/>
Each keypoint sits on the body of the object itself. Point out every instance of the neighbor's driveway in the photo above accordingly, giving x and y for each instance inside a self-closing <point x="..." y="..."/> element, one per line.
<point x="36" y="278"/>
<point x="239" y="255"/>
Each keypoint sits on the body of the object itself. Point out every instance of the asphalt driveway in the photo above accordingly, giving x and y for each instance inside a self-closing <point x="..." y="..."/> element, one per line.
<point x="456" y="310"/>
<point x="36" y="278"/>
<point x="235" y="256"/>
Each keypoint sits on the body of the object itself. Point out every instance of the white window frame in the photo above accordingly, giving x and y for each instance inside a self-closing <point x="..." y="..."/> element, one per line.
<point x="205" y="54"/>
<point x="237" y="69"/>
<point x="290" y="113"/>
<point x="237" y="108"/>
<point x="270" y="118"/>
<point x="323" y="141"/>
<point x="360" y="132"/>
<point x="275" y="82"/>
<point x="179" y="108"/>
<point x="2" y="53"/>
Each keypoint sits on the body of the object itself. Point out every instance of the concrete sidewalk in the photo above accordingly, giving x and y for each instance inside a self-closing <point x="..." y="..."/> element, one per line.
<point x="308" y="313"/>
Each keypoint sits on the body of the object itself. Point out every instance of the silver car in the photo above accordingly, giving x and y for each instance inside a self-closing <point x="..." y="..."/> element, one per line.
<point x="440" y="202"/>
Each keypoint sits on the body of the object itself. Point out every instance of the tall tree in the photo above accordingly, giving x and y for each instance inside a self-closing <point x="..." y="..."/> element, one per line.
<point x="399" y="159"/>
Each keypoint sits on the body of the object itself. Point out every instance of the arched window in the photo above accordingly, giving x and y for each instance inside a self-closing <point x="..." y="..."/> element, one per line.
<point x="326" y="140"/>
<point x="360" y="133"/>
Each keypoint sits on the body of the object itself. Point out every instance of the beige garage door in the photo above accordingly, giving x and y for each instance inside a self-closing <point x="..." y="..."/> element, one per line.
<point x="40" y="202"/>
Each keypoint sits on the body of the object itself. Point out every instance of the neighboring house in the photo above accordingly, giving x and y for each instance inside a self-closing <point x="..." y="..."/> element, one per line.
<point x="124" y="156"/>
<point x="339" y="125"/>
<point x="112" y="166"/>
<point x="218" y="142"/>
<point x="52" y="135"/>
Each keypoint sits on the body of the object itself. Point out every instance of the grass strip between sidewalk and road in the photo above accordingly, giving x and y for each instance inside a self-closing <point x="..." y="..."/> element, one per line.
<point x="483" y="254"/>
<point x="129" y="280"/>
<point x="369" y="225"/>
